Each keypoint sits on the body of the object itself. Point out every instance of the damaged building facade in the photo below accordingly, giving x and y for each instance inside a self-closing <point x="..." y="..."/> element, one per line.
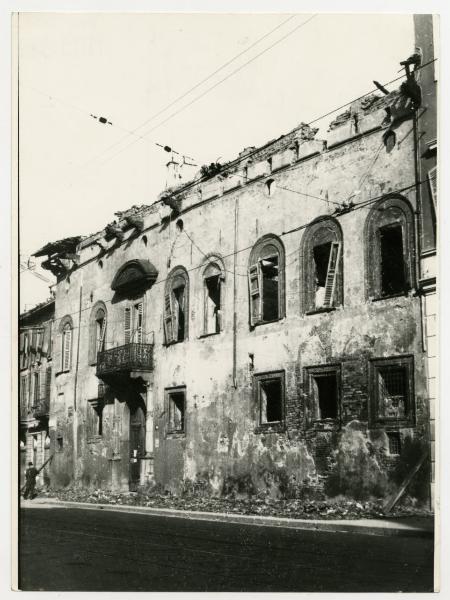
<point x="35" y="380"/>
<point x="260" y="329"/>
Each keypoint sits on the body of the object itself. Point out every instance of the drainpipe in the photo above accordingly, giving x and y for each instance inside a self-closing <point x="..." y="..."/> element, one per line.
<point x="75" y="414"/>
<point x="236" y="212"/>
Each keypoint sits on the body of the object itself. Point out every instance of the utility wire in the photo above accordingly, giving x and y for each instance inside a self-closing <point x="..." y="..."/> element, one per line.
<point x="217" y="84"/>
<point x="204" y="80"/>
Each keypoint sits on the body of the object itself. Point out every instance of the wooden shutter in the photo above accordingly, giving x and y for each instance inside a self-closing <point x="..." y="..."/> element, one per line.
<point x="169" y="328"/>
<point x="43" y="384"/>
<point x="45" y="339"/>
<point x="67" y="346"/>
<point x="332" y="271"/>
<point x="140" y="322"/>
<point x="127" y="325"/>
<point x="48" y="383"/>
<point x="432" y="180"/>
<point x="254" y="283"/>
<point x="21" y="349"/>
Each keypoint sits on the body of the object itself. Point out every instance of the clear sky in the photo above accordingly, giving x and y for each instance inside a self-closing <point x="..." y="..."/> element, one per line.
<point x="128" y="67"/>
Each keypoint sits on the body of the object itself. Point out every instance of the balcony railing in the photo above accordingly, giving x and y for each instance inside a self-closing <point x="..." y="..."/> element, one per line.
<point x="41" y="408"/>
<point x="123" y="359"/>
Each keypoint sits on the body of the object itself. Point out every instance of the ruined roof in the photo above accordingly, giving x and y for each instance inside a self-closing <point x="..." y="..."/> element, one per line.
<point x="61" y="246"/>
<point x="41" y="306"/>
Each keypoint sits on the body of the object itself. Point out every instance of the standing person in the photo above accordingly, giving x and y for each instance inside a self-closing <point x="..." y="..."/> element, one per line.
<point x="30" y="481"/>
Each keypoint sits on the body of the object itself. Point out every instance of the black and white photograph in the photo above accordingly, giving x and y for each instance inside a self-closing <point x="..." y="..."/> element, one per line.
<point x="226" y="328"/>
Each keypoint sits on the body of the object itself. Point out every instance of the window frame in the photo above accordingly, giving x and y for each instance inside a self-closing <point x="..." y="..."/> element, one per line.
<point x="376" y="365"/>
<point x="168" y="392"/>
<point x="217" y="262"/>
<point x="65" y="326"/>
<point x="93" y="340"/>
<point x="323" y="230"/>
<point x="389" y="211"/>
<point x="254" y="274"/>
<point x="258" y="379"/>
<point x="169" y="315"/>
<point x="310" y="374"/>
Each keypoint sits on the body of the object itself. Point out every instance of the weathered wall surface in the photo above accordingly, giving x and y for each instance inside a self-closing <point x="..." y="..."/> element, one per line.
<point x="222" y="447"/>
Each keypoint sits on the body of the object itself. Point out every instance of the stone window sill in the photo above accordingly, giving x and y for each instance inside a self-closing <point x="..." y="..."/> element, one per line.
<point x="94" y="439"/>
<point x="326" y="424"/>
<point x="388" y="296"/>
<point x="316" y="311"/>
<point x="175" y="434"/>
<point x="278" y="427"/>
<point x="206" y="335"/>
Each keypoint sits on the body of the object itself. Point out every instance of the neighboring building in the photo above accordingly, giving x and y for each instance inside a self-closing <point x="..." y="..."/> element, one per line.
<point x="256" y="329"/>
<point x="35" y="372"/>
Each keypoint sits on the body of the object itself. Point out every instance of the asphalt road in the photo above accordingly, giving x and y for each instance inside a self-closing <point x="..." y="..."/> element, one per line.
<point x="65" y="549"/>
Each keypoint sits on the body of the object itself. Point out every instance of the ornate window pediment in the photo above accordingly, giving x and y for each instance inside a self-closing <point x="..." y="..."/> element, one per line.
<point x="134" y="273"/>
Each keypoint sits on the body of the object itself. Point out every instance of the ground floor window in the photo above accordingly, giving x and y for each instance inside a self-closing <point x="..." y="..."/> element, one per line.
<point x="392" y="390"/>
<point x="176" y="408"/>
<point x="323" y="383"/>
<point x="269" y="392"/>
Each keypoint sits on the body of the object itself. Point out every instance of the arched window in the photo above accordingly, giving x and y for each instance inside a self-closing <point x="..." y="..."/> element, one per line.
<point x="322" y="265"/>
<point x="389" y="235"/>
<point x="176" y="306"/>
<point x="266" y="281"/>
<point x="97" y="331"/>
<point x="213" y="292"/>
<point x="65" y="328"/>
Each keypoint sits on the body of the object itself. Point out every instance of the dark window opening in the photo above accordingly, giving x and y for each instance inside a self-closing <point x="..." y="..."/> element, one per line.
<point x="179" y="296"/>
<point x="99" y="412"/>
<point x="394" y="442"/>
<point x="393" y="272"/>
<point x="269" y="270"/>
<point x="392" y="391"/>
<point x="327" y="396"/>
<point x="176" y="411"/>
<point x="59" y="443"/>
<point x="212" y="308"/>
<point x="321" y="258"/>
<point x="271" y="401"/>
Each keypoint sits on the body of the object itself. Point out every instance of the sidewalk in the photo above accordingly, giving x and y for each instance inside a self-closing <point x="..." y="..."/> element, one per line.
<point x="399" y="526"/>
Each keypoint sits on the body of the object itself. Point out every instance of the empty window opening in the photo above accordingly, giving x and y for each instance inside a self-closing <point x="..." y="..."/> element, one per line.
<point x="392" y="390"/>
<point x="100" y="264"/>
<point x="144" y="240"/>
<point x="99" y="412"/>
<point x="59" y="443"/>
<point x="327" y="396"/>
<point x="212" y="304"/>
<point x="180" y="225"/>
<point x="270" y="280"/>
<point x="179" y="308"/>
<point x="270" y="187"/>
<point x="271" y="401"/>
<point x="393" y="272"/>
<point x="326" y="257"/>
<point x="394" y="442"/>
<point x="176" y="411"/>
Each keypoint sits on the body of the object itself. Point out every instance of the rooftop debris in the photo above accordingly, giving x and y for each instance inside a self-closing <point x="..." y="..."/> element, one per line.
<point x="61" y="246"/>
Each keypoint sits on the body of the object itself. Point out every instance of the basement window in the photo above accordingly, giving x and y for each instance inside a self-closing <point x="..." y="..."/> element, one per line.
<point x="393" y="280"/>
<point x="392" y="399"/>
<point x="323" y="385"/>
<point x="394" y="443"/>
<point x="176" y="406"/>
<point x="266" y="281"/>
<point x="269" y="391"/>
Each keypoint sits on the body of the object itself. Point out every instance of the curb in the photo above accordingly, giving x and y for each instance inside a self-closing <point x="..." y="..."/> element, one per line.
<point x="365" y="527"/>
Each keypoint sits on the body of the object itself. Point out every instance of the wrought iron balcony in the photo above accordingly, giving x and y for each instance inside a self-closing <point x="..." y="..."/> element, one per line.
<point x="124" y="359"/>
<point x="41" y="408"/>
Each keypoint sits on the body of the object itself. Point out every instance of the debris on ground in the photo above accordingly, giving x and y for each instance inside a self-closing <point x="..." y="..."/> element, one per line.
<point x="339" y="508"/>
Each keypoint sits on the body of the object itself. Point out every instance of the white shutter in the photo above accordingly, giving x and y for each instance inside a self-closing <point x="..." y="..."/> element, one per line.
<point x="127" y="325"/>
<point x="168" y="318"/>
<point x="101" y="342"/>
<point x="138" y="312"/>
<point x="67" y="347"/>
<point x="254" y="284"/>
<point x="432" y="180"/>
<point x="333" y="267"/>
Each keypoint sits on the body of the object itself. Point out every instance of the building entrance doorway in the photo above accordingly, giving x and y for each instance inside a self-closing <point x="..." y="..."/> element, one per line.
<point x="137" y="445"/>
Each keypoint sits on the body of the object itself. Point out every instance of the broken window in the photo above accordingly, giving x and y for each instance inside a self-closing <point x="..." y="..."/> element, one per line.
<point x="324" y="384"/>
<point x="176" y="406"/>
<point x="389" y="256"/>
<point x="322" y="266"/>
<point x="393" y="278"/>
<point x="176" y="303"/>
<point x="269" y="389"/>
<point x="97" y="332"/>
<point x="392" y="390"/>
<point x="266" y="281"/>
<point x="213" y="277"/>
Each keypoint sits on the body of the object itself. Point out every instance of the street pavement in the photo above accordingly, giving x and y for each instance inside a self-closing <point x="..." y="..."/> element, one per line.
<point x="69" y="549"/>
